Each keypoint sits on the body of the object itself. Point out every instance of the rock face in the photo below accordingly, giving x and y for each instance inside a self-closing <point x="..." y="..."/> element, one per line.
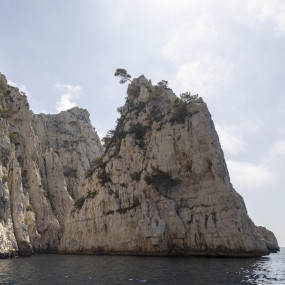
<point x="71" y="135"/>
<point x="34" y="197"/>
<point x="160" y="188"/>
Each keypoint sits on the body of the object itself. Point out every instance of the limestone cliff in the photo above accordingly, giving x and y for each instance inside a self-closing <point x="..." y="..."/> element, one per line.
<point x="160" y="188"/>
<point x="71" y="135"/>
<point x="34" y="173"/>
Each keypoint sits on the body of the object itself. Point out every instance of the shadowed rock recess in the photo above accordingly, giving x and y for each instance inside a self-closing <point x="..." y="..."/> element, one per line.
<point x="160" y="186"/>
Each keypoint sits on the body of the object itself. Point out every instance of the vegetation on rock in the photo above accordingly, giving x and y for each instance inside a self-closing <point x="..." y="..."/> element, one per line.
<point x="29" y="208"/>
<point x="5" y="178"/>
<point x="178" y="111"/>
<point x="7" y="113"/>
<point x="123" y="75"/>
<point x="159" y="177"/>
<point x="15" y="138"/>
<point x="133" y="90"/>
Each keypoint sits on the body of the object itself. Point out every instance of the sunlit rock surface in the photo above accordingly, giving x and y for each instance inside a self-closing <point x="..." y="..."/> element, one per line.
<point x="160" y="188"/>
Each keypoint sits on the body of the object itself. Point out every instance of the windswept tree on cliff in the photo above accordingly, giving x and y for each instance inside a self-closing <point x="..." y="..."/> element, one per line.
<point x="123" y="75"/>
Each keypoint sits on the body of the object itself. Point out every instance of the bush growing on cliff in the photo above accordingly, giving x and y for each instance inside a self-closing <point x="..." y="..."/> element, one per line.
<point x="46" y="194"/>
<point x="133" y="90"/>
<point x="69" y="172"/>
<point x="5" y="178"/>
<point x="159" y="177"/>
<point x="114" y="137"/>
<point x="78" y="203"/>
<point x="95" y="164"/>
<point x="155" y="94"/>
<point x="7" y="113"/>
<point x="136" y="176"/>
<point x="4" y="92"/>
<point x="187" y="97"/>
<point x="163" y="84"/>
<point x="178" y="111"/>
<point x="29" y="208"/>
<point x="138" y="130"/>
<point x="15" y="138"/>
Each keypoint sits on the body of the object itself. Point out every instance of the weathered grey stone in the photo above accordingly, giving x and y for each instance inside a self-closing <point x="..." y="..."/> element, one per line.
<point x="161" y="188"/>
<point x="193" y="209"/>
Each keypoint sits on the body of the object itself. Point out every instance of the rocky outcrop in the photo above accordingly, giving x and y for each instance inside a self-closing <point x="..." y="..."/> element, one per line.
<point x="33" y="178"/>
<point x="71" y="135"/>
<point x="162" y="187"/>
<point x="269" y="238"/>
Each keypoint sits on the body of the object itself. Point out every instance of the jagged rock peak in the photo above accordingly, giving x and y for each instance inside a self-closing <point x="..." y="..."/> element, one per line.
<point x="162" y="186"/>
<point x="43" y="159"/>
<point x="140" y="89"/>
<point x="3" y="79"/>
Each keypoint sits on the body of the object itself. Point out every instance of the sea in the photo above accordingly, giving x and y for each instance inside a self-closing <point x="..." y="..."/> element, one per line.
<point x="76" y="269"/>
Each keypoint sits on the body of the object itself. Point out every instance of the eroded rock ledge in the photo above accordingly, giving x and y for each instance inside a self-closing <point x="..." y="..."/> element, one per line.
<point x="161" y="187"/>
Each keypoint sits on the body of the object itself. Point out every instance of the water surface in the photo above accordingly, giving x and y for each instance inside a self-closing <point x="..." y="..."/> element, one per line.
<point x="72" y="269"/>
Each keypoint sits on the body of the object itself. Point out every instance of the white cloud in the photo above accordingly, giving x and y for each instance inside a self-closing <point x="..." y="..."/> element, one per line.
<point x="272" y="11"/>
<point x="231" y="142"/>
<point x="203" y="74"/>
<point x="21" y="87"/>
<point x="179" y="46"/>
<point x="69" y="94"/>
<point x="191" y="48"/>
<point x="249" y="176"/>
<point x="278" y="148"/>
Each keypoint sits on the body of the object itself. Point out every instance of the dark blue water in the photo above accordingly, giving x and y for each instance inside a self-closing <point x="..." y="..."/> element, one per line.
<point x="63" y="269"/>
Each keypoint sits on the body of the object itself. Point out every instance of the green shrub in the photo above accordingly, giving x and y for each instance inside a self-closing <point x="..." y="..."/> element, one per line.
<point x="5" y="178"/>
<point x="29" y="208"/>
<point x="124" y="210"/>
<point x="138" y="130"/>
<point x="91" y="195"/>
<point x="7" y="113"/>
<point x="114" y="137"/>
<point x="78" y="203"/>
<point x="178" y="110"/>
<point x="120" y="109"/>
<point x="4" y="92"/>
<point x="155" y="115"/>
<point x="163" y="84"/>
<point x="159" y="177"/>
<point x="138" y="107"/>
<point x="103" y="177"/>
<point x="45" y="192"/>
<point x="97" y="163"/>
<point x="133" y="90"/>
<point x="136" y="176"/>
<point x="88" y="173"/>
<point x="68" y="171"/>
<point x="15" y="138"/>
<point x="187" y="97"/>
<point x="156" y="94"/>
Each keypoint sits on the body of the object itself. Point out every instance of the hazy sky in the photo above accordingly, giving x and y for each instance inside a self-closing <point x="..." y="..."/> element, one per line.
<point x="64" y="53"/>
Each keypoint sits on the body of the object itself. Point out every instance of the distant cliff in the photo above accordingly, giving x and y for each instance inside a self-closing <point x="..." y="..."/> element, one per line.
<point x="160" y="188"/>
<point x="42" y="163"/>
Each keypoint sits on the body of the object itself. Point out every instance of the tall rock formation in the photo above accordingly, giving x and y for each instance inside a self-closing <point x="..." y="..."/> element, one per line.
<point x="34" y="173"/>
<point x="160" y="188"/>
<point x="71" y="135"/>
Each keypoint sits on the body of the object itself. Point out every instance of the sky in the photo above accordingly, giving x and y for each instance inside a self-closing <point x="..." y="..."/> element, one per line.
<point x="232" y="53"/>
